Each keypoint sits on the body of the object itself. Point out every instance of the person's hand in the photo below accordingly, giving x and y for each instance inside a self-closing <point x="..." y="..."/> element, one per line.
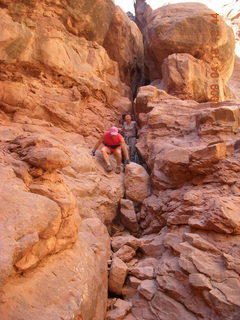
<point x="127" y="162"/>
<point x="92" y="153"/>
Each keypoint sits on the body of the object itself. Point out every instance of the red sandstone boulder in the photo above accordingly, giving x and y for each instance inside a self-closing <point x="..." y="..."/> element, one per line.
<point x="195" y="32"/>
<point x="31" y="297"/>
<point x="194" y="22"/>
<point x="137" y="183"/>
<point x="47" y="158"/>
<point x="128" y="215"/>
<point x="189" y="79"/>
<point x="117" y="276"/>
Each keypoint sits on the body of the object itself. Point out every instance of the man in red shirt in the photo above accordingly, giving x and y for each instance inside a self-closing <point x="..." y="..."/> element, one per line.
<point x="114" y="143"/>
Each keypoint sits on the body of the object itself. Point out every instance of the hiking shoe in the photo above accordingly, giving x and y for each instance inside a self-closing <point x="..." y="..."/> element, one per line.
<point x="108" y="168"/>
<point x="118" y="170"/>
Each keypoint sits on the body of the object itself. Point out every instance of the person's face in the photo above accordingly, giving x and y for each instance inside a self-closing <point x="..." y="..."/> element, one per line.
<point x="128" y="117"/>
<point x="113" y="137"/>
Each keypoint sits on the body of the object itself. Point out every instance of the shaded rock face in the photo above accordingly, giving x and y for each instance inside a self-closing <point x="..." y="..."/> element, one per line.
<point x="192" y="33"/>
<point x="124" y="44"/>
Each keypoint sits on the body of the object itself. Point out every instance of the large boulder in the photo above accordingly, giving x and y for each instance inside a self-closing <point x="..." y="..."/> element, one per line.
<point x="66" y="284"/>
<point x="137" y="182"/>
<point x="194" y="32"/>
<point x="24" y="217"/>
<point x="188" y="78"/>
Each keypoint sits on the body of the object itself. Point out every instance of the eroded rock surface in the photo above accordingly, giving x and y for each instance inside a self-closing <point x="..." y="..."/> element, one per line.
<point x="59" y="90"/>
<point x="62" y="82"/>
<point x="124" y="44"/>
<point x="193" y="33"/>
<point x="188" y="265"/>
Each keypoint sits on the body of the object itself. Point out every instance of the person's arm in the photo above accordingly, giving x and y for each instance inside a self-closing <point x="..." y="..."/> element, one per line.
<point x="125" y="150"/>
<point x="120" y="130"/>
<point x="137" y="128"/>
<point x="100" y="140"/>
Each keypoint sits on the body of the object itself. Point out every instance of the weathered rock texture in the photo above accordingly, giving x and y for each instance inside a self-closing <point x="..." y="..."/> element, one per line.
<point x="49" y="72"/>
<point x="59" y="90"/>
<point x="230" y="10"/>
<point x="190" y="224"/>
<point x="180" y="51"/>
<point x="124" y="44"/>
<point x="63" y="80"/>
<point x="48" y="268"/>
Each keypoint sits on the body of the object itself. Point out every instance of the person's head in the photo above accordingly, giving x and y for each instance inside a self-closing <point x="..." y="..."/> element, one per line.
<point x="113" y="131"/>
<point x="128" y="117"/>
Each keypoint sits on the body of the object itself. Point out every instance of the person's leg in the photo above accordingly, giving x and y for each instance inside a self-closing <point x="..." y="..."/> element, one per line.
<point x="105" y="154"/>
<point x="118" y="155"/>
<point x="132" y="148"/>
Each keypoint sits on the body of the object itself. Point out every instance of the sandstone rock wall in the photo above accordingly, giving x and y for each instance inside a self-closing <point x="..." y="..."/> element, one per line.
<point x="63" y="80"/>
<point x="185" y="264"/>
<point x="124" y="44"/>
<point x="55" y="203"/>
<point x="59" y="90"/>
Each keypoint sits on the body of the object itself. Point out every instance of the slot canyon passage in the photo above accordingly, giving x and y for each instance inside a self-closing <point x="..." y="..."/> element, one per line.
<point x="160" y="240"/>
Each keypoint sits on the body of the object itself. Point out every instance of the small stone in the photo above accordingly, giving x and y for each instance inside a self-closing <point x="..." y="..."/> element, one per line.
<point x="121" y="308"/>
<point x="143" y="272"/>
<point x="147" y="288"/>
<point x="125" y="253"/>
<point x="132" y="263"/>
<point x="126" y="239"/>
<point x="117" y="276"/>
<point x="134" y="282"/>
<point x="128" y="215"/>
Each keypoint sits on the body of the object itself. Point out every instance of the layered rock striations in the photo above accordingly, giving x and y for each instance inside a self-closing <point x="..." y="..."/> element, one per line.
<point x="186" y="231"/>
<point x="59" y="90"/>
<point x="186" y="251"/>
<point x="174" y="222"/>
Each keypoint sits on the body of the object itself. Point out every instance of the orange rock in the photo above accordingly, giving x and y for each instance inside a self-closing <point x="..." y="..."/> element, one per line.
<point x="137" y="183"/>
<point x="191" y="33"/>
<point x="124" y="44"/>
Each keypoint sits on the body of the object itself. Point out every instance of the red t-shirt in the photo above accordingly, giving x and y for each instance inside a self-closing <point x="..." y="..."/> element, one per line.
<point x="112" y="140"/>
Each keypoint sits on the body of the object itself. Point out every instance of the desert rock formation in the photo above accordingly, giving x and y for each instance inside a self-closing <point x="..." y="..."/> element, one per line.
<point x="59" y="90"/>
<point x="124" y="44"/>
<point x="187" y="46"/>
<point x="162" y="236"/>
